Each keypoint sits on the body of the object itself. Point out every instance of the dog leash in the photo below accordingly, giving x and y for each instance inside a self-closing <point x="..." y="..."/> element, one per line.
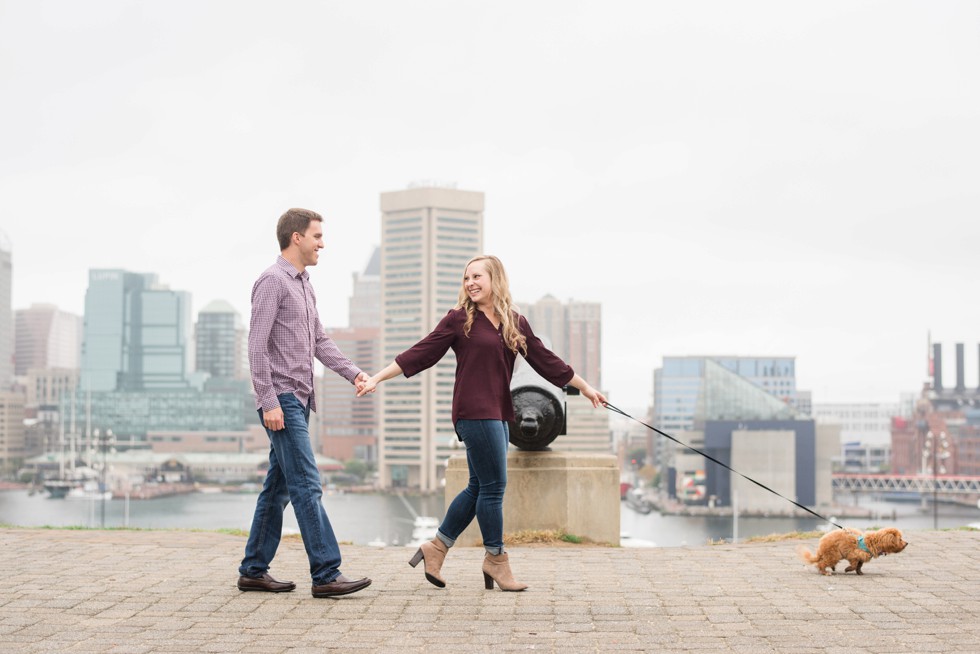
<point x="723" y="465"/>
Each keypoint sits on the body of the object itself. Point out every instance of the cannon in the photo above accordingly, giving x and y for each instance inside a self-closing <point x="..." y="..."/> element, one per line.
<point x="539" y="409"/>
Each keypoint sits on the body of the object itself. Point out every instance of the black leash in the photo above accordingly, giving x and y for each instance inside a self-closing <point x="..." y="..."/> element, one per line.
<point x="711" y="458"/>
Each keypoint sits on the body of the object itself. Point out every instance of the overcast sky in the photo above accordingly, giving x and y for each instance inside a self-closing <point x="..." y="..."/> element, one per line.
<point x="764" y="178"/>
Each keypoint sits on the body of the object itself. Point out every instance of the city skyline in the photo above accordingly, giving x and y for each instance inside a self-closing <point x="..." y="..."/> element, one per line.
<point x="947" y="353"/>
<point x="760" y="179"/>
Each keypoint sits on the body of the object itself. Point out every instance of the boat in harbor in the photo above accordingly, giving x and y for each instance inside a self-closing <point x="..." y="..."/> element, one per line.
<point x="423" y="530"/>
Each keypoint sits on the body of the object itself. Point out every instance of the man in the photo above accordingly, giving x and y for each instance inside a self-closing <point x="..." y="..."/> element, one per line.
<point x="285" y="334"/>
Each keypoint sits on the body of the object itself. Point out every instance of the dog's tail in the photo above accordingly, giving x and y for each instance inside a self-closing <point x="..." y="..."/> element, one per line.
<point x="806" y="555"/>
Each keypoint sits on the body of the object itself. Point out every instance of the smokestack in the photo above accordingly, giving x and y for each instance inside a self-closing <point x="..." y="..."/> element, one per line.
<point x="960" y="379"/>
<point x="937" y="366"/>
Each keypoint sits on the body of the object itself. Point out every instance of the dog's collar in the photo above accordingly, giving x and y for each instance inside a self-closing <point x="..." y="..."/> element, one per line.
<point x="862" y="545"/>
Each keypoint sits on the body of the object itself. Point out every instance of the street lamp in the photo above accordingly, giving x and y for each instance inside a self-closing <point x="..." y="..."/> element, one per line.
<point x="932" y="444"/>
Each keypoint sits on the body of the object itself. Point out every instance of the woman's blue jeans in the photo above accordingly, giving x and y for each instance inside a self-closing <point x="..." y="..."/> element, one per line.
<point x="292" y="476"/>
<point x="486" y="454"/>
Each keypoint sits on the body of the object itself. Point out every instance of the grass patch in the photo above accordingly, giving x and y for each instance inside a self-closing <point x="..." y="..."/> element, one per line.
<point x="546" y="537"/>
<point x="793" y="535"/>
<point x="771" y="538"/>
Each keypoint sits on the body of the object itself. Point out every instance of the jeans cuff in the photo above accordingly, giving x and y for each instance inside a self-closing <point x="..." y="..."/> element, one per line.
<point x="446" y="540"/>
<point x="496" y="551"/>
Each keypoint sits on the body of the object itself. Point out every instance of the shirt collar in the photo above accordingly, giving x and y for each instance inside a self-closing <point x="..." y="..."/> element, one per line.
<point x="290" y="269"/>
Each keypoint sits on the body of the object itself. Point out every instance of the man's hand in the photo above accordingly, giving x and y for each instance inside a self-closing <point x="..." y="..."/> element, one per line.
<point x="273" y="419"/>
<point x="359" y="382"/>
<point x="368" y="386"/>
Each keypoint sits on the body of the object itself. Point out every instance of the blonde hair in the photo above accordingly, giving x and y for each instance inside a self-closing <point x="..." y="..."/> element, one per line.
<point x="502" y="304"/>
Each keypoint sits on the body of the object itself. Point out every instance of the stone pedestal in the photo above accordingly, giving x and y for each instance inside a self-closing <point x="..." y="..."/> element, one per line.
<point x="574" y="493"/>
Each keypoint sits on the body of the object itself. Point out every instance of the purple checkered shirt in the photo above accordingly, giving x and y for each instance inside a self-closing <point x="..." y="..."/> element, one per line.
<point x="285" y="334"/>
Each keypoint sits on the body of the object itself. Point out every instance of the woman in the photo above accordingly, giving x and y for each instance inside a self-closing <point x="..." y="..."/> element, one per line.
<point x="486" y="334"/>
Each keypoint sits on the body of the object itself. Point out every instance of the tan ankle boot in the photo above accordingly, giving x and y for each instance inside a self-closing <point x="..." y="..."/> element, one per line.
<point x="434" y="553"/>
<point x="496" y="567"/>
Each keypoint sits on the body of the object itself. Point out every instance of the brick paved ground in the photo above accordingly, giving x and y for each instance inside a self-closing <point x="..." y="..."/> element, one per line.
<point x="173" y="591"/>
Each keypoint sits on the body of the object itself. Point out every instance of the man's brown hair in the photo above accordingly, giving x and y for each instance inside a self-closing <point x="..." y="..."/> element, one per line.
<point x="294" y="220"/>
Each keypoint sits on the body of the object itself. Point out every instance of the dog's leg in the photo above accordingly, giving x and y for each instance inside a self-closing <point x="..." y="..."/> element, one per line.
<point x="858" y="568"/>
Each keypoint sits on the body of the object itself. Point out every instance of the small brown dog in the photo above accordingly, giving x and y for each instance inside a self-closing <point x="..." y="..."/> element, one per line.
<point x="857" y="547"/>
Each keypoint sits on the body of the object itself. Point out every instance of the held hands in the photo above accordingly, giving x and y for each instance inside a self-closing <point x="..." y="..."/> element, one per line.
<point x="359" y="382"/>
<point x="369" y="385"/>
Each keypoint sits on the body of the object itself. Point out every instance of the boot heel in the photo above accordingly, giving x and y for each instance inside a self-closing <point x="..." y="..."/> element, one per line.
<point x="415" y="559"/>
<point x="487" y="581"/>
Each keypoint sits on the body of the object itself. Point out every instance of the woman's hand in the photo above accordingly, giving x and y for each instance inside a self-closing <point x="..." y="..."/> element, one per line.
<point x="369" y="386"/>
<point x="597" y="398"/>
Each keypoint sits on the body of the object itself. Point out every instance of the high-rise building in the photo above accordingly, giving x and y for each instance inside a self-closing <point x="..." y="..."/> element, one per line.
<point x="428" y="234"/>
<point x="346" y="427"/>
<point x="691" y="390"/>
<point x="573" y="331"/>
<point x="685" y="386"/>
<point x="12" y="433"/>
<point x="364" y="307"/>
<point x="942" y="436"/>
<point x="6" y="314"/>
<point x="221" y="349"/>
<point x="137" y="361"/>
<point x="46" y="337"/>
<point x="136" y="333"/>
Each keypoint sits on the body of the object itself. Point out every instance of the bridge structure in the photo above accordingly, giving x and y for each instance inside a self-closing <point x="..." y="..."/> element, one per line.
<point x="938" y="484"/>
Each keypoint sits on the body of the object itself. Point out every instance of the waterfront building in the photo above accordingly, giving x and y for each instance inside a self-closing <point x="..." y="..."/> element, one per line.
<point x="428" y="233"/>
<point x="136" y="366"/>
<point x="12" y="432"/>
<point x="252" y="439"/>
<point x="942" y="437"/>
<point x="865" y="433"/>
<point x="6" y="313"/>
<point x="136" y="333"/>
<point x="142" y="469"/>
<point x="45" y="388"/>
<point x="868" y="423"/>
<point x="46" y="337"/>
<point x="725" y="406"/>
<point x="220" y="342"/>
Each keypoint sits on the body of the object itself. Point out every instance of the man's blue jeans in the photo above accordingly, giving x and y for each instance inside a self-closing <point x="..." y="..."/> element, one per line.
<point x="292" y="476"/>
<point x="486" y="455"/>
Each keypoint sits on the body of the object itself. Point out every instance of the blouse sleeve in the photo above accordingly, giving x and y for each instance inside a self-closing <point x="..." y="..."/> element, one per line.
<point x="430" y="350"/>
<point x="544" y="362"/>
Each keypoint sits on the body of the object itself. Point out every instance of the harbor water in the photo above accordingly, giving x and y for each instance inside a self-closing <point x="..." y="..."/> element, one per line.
<point x="365" y="518"/>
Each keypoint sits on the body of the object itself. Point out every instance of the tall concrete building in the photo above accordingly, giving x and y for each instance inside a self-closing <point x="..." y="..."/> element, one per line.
<point x="220" y="341"/>
<point x="46" y="337"/>
<point x="346" y="427"/>
<point x="137" y="363"/>
<point x="12" y="432"/>
<point x="427" y="236"/>
<point x="689" y="391"/>
<point x="136" y="333"/>
<point x="6" y="313"/>
<point x="364" y="307"/>
<point x="574" y="332"/>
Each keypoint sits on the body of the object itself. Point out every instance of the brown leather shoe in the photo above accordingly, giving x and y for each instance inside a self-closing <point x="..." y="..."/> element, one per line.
<point x="265" y="583"/>
<point x="341" y="586"/>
